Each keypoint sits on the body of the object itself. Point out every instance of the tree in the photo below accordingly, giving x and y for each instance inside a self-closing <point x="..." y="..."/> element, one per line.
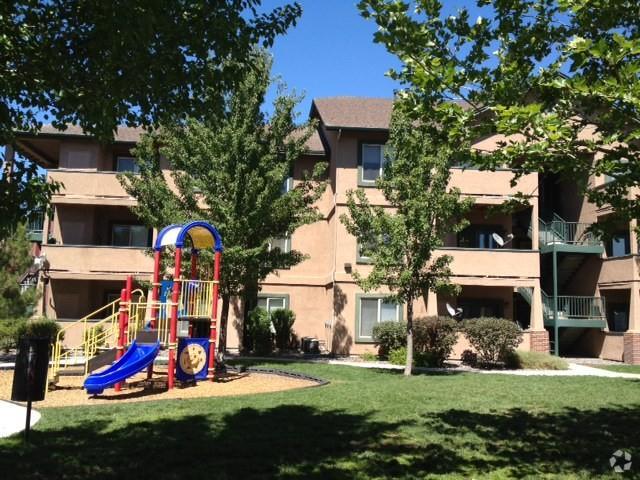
<point x="541" y="72"/>
<point x="100" y="64"/>
<point x="15" y="259"/>
<point x="230" y="170"/>
<point x="401" y="240"/>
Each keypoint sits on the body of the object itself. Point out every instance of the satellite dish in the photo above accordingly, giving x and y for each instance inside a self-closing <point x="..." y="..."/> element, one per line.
<point x="454" y="312"/>
<point x="501" y="241"/>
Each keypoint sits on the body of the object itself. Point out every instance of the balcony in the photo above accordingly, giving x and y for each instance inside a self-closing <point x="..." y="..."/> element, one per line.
<point x="497" y="183"/>
<point x="474" y="262"/>
<point x="574" y="311"/>
<point x="35" y="226"/>
<point x="563" y="236"/>
<point x="90" y="261"/>
<point x="89" y="187"/>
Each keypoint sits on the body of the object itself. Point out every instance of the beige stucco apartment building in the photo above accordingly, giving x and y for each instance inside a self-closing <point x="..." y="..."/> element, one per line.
<point x="569" y="292"/>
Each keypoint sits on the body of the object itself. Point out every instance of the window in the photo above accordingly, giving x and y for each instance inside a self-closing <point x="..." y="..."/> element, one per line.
<point x="282" y="243"/>
<point x="273" y="302"/>
<point x="127" y="164"/>
<point x="130" y="236"/>
<point x="476" y="308"/>
<point x="372" y="161"/>
<point x="478" y="236"/>
<point x="372" y="310"/>
<point x="618" y="317"/>
<point x="287" y="185"/>
<point x="619" y="244"/>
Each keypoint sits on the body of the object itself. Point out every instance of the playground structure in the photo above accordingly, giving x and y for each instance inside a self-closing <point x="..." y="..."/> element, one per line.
<point x="179" y="316"/>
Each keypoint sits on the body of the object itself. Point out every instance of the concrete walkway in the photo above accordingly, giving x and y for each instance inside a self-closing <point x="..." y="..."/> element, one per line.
<point x="575" y="370"/>
<point x="13" y="417"/>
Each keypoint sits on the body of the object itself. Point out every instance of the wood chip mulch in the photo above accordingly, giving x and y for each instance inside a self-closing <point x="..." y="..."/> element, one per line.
<point x="69" y="390"/>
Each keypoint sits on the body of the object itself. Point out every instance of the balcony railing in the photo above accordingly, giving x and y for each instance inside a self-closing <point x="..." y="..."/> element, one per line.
<point x="570" y="233"/>
<point x="574" y="307"/>
<point x="35" y="226"/>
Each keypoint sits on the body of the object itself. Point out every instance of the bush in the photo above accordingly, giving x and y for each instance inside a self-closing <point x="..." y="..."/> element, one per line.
<point x="389" y="336"/>
<point x="259" y="337"/>
<point x="535" y="361"/>
<point x="469" y="357"/>
<point x="398" y="356"/>
<point x="433" y="340"/>
<point x="41" y="327"/>
<point x="369" y="357"/>
<point x="9" y="332"/>
<point x="492" y="338"/>
<point x="282" y="320"/>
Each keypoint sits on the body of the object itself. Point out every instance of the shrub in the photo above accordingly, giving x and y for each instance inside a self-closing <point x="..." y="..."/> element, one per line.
<point x="282" y="320"/>
<point x="535" y="361"/>
<point x="259" y="332"/>
<point x="433" y="340"/>
<point x="369" y="357"/>
<point x="9" y="332"/>
<point x="41" y="327"/>
<point x="493" y="338"/>
<point x="389" y="336"/>
<point x="398" y="356"/>
<point x="469" y="357"/>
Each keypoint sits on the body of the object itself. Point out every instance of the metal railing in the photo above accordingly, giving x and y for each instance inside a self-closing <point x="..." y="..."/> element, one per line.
<point x="196" y="298"/>
<point x="575" y="307"/>
<point x="571" y="233"/>
<point x="36" y="222"/>
<point x="75" y="355"/>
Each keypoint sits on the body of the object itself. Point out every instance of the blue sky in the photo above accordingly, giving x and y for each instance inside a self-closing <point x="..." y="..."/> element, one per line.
<point x="331" y="52"/>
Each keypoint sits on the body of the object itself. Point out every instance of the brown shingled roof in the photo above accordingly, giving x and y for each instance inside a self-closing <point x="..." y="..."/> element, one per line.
<point x="354" y="112"/>
<point x="133" y="134"/>
<point x="123" y="134"/>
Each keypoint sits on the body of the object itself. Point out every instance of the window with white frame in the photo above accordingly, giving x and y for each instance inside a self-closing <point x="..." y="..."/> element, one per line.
<point x="272" y="302"/>
<point x="127" y="164"/>
<point x="372" y="162"/>
<point x="129" y="235"/>
<point x="281" y="243"/>
<point x="372" y="311"/>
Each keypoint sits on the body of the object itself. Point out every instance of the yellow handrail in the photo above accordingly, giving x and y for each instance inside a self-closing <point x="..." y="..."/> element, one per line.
<point x="72" y="353"/>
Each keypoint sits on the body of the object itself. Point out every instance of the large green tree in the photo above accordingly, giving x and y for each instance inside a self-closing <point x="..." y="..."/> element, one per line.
<point x="15" y="259"/>
<point x="100" y="64"/>
<point x="541" y="72"/>
<point x="230" y="169"/>
<point x="401" y="239"/>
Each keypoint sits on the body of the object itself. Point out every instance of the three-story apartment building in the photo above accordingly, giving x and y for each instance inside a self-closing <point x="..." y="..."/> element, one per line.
<point x="568" y="291"/>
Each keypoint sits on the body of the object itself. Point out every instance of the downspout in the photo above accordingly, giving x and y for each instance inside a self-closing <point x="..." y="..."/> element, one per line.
<point x="335" y="245"/>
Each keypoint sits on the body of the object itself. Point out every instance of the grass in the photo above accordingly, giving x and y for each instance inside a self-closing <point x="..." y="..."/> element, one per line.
<point x="620" y="368"/>
<point x="364" y="424"/>
<point x="536" y="361"/>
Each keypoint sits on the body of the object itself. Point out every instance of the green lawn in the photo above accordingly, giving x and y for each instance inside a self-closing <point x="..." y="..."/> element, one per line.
<point x="620" y="368"/>
<point x="365" y="424"/>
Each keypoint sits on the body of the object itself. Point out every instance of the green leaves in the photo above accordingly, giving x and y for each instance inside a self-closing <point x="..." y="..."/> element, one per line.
<point x="401" y="240"/>
<point x="230" y="169"/>
<point x="560" y="79"/>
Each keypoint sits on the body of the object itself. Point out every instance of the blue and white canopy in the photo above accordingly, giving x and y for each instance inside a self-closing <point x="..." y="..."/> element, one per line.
<point x="202" y="234"/>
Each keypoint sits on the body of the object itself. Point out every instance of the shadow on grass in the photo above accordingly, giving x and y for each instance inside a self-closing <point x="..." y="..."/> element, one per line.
<point x="282" y="442"/>
<point x="299" y="442"/>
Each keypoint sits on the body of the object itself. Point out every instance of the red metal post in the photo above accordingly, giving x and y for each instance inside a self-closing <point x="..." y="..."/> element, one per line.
<point x="173" y="328"/>
<point x="128" y="287"/>
<point x="155" y="294"/>
<point x="121" y="332"/>
<point x="214" y="318"/>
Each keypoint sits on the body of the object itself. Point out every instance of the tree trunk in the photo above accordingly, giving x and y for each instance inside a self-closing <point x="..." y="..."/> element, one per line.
<point x="222" y="334"/>
<point x="409" y="364"/>
<point x="249" y="302"/>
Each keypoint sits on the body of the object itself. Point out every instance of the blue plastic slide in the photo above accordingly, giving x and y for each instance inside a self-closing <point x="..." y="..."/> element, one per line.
<point x="136" y="359"/>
